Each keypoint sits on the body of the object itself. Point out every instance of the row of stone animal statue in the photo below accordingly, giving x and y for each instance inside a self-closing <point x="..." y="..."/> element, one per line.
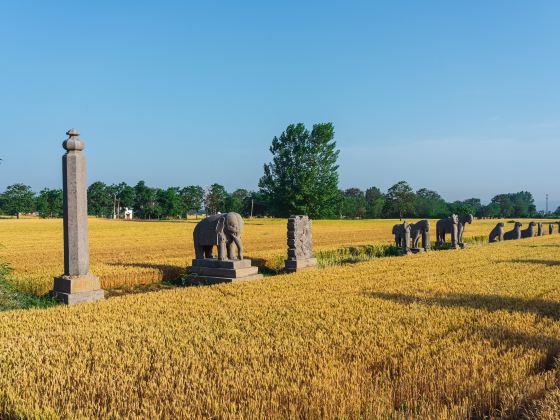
<point x="407" y="235"/>
<point x="498" y="234"/>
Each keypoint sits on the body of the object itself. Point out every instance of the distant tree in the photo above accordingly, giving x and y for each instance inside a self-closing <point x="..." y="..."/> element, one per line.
<point x="375" y="200"/>
<point x="400" y="200"/>
<point x="353" y="203"/>
<point x="256" y="204"/>
<point x="17" y="198"/>
<point x="145" y="201"/>
<point x="192" y="198"/>
<point x="460" y="207"/>
<point x="303" y="175"/>
<point x="100" y="200"/>
<point x="430" y="204"/>
<point x="50" y="203"/>
<point x="520" y="204"/>
<point x="557" y="212"/>
<point x="123" y="197"/>
<point x="215" y="200"/>
<point x="170" y="203"/>
<point x="236" y="200"/>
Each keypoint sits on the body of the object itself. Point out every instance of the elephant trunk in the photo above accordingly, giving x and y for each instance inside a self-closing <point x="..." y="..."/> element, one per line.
<point x="239" y="246"/>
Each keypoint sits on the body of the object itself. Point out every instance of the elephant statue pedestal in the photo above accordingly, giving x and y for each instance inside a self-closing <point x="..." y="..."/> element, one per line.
<point x="208" y="271"/>
<point x="222" y="231"/>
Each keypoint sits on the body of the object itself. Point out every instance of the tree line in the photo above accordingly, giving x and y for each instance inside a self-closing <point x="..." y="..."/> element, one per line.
<point x="301" y="178"/>
<point x="177" y="202"/>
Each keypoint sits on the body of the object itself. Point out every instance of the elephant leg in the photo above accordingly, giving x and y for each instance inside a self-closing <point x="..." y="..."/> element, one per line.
<point x="222" y="251"/>
<point x="207" y="250"/>
<point x="426" y="240"/>
<point x="199" y="252"/>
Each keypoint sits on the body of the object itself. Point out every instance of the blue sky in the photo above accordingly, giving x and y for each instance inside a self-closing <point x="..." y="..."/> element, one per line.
<point x="460" y="97"/>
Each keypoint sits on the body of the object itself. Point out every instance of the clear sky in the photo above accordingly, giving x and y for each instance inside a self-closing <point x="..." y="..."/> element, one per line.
<point x="462" y="97"/>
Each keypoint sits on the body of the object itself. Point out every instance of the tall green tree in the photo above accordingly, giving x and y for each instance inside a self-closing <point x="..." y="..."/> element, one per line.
<point x="192" y="198"/>
<point x="215" y="200"/>
<point x="236" y="200"/>
<point x="17" y="198"/>
<point x="430" y="204"/>
<point x="353" y="203"/>
<point x="100" y="200"/>
<point x="170" y="203"/>
<point x="145" y="201"/>
<point x="375" y="200"/>
<point x="303" y="175"/>
<point x="400" y="200"/>
<point x="50" y="203"/>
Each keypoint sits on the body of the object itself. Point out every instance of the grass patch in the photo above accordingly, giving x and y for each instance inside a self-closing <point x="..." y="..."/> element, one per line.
<point x="10" y="298"/>
<point x="354" y="254"/>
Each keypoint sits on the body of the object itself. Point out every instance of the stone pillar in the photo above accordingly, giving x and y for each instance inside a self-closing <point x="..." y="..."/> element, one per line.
<point x="77" y="284"/>
<point x="300" y="244"/>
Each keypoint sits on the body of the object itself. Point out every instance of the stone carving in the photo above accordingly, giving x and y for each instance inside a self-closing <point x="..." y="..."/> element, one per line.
<point x="222" y="231"/>
<point x="417" y="230"/>
<point x="513" y="234"/>
<point x="77" y="284"/>
<point x="550" y="228"/>
<point x="300" y="244"/>
<point x="455" y="225"/>
<point x="497" y="233"/>
<point x="402" y="237"/>
<point x="530" y="231"/>
<point x="539" y="229"/>
<point x="449" y="225"/>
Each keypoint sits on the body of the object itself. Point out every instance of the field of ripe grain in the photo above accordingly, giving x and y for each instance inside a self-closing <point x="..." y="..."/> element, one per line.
<point x="450" y="334"/>
<point x="130" y="253"/>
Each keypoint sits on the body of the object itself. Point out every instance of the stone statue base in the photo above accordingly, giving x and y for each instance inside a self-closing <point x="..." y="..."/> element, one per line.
<point x="417" y="250"/>
<point x="77" y="289"/>
<point x="208" y="271"/>
<point x="300" y="264"/>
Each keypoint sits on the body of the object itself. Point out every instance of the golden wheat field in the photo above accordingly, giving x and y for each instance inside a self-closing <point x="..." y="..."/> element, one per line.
<point x="449" y="334"/>
<point x="131" y="253"/>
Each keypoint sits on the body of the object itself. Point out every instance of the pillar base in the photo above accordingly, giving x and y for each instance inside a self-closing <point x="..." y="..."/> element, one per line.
<point x="82" y="297"/>
<point x="77" y="289"/>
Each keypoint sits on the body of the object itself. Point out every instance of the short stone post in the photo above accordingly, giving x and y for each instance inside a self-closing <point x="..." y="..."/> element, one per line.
<point x="550" y="229"/>
<point x="300" y="245"/>
<point x="77" y="284"/>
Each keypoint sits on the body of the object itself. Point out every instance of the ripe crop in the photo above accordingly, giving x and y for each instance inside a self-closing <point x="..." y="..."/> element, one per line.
<point x="131" y="253"/>
<point x="449" y="334"/>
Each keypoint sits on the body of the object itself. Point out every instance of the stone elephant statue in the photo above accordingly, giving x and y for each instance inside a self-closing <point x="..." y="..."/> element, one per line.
<point x="515" y="233"/>
<point x="497" y="233"/>
<point x="402" y="236"/>
<point x="221" y="230"/>
<point x="419" y="230"/>
<point x="455" y="225"/>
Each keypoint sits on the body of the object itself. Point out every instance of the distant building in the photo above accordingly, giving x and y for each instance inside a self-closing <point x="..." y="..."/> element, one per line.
<point x="128" y="214"/>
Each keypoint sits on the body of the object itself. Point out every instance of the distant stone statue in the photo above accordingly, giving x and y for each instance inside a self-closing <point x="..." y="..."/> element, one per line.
<point x="539" y="229"/>
<point x="402" y="237"/>
<point x="497" y="233"/>
<point x="513" y="234"/>
<point x="300" y="244"/>
<point x="463" y="220"/>
<point x="417" y="230"/>
<point x="220" y="230"/>
<point x="449" y="225"/>
<point x="530" y="231"/>
<point x="550" y="228"/>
